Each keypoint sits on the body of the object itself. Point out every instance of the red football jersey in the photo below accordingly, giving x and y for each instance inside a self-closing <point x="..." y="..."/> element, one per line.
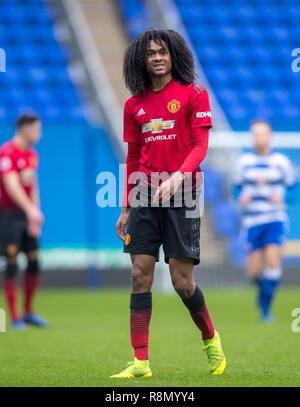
<point x="23" y="162"/>
<point x="162" y="122"/>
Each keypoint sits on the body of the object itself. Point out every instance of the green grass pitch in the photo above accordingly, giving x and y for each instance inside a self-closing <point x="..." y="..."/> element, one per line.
<point x="89" y="340"/>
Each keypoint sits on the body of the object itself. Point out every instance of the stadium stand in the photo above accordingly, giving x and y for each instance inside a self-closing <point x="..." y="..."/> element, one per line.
<point x="245" y="52"/>
<point x="135" y="16"/>
<point x="37" y="76"/>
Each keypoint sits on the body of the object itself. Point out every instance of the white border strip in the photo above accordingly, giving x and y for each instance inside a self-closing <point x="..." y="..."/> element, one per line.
<point x="82" y="258"/>
<point x="77" y="259"/>
<point x="105" y="94"/>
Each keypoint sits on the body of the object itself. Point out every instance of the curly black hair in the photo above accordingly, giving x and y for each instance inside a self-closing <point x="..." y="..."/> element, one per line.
<point x="135" y="74"/>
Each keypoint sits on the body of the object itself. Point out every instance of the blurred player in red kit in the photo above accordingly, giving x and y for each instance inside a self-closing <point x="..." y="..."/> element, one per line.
<point x="166" y="125"/>
<point x="20" y="216"/>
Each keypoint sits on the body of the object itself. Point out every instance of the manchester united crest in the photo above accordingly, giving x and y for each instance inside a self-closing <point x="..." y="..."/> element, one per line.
<point x="127" y="239"/>
<point x="12" y="249"/>
<point x="173" y="106"/>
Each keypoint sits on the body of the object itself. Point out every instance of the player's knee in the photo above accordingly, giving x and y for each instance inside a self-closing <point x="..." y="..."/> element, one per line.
<point x="33" y="267"/>
<point x="140" y="278"/>
<point x="273" y="259"/>
<point x="183" y="286"/>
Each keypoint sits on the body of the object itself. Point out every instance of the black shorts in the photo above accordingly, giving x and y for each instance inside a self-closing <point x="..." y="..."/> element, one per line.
<point x="13" y="234"/>
<point x="149" y="227"/>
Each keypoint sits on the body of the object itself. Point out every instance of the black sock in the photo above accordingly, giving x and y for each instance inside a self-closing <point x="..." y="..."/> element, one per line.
<point x="195" y="302"/>
<point x="11" y="271"/>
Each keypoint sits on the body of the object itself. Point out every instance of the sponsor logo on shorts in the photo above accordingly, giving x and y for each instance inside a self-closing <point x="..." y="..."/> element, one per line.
<point x="12" y="249"/>
<point x="199" y="115"/>
<point x="173" y="106"/>
<point x="127" y="239"/>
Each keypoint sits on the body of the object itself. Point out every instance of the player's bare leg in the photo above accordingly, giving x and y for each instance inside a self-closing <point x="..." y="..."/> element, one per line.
<point x="30" y="285"/>
<point x="142" y="273"/>
<point x="273" y="254"/>
<point x="181" y="270"/>
<point x="182" y="276"/>
<point x="255" y="263"/>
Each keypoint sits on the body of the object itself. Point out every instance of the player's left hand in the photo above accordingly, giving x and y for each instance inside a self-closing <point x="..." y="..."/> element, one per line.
<point x="168" y="188"/>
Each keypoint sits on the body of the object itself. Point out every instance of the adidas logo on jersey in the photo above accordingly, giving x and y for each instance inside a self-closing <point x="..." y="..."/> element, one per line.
<point x="141" y="112"/>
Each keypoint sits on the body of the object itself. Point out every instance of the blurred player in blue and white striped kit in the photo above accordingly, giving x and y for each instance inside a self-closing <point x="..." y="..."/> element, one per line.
<point x="261" y="181"/>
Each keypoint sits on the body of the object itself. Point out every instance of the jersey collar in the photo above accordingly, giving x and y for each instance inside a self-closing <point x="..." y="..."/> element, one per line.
<point x="157" y="92"/>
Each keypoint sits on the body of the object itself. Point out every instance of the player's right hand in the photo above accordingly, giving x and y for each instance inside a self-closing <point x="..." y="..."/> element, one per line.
<point x="35" y="221"/>
<point x="34" y="215"/>
<point x="34" y="229"/>
<point x="122" y="223"/>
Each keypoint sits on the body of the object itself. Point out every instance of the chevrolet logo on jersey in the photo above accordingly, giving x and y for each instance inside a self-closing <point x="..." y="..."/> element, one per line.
<point x="158" y="125"/>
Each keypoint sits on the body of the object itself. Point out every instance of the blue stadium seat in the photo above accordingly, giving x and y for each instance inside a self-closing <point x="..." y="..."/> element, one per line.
<point x="238" y="112"/>
<point x="213" y="185"/>
<point x="237" y="248"/>
<point x="37" y="76"/>
<point x="279" y="96"/>
<point x="225" y="218"/>
<point x="194" y="16"/>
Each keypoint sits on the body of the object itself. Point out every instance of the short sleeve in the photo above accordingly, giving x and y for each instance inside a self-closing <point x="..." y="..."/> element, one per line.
<point x="200" y="111"/>
<point x="7" y="164"/>
<point x="131" y="131"/>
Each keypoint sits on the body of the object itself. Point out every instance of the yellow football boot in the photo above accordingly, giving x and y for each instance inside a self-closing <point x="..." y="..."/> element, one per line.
<point x="215" y="354"/>
<point x="137" y="368"/>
